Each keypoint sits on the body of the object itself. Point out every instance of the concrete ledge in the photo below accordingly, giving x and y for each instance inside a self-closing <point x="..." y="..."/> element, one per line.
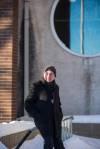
<point x="12" y="140"/>
<point x="87" y="129"/>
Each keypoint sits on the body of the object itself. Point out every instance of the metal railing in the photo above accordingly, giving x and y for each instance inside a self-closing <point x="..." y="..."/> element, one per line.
<point x="67" y="127"/>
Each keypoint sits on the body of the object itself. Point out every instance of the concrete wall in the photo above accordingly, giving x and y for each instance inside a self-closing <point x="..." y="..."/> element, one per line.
<point x="78" y="77"/>
<point x="20" y="72"/>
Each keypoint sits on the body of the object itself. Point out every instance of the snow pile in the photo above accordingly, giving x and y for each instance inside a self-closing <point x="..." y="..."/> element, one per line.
<point x="86" y="119"/>
<point x="14" y="127"/>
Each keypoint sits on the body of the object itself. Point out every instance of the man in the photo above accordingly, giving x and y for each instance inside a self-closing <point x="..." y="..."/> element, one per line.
<point x="43" y="104"/>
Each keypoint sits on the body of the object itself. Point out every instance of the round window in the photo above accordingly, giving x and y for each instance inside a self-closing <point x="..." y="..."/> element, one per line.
<point x="76" y="26"/>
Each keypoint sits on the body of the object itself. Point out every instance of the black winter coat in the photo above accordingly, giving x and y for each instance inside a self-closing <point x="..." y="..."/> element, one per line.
<point x="43" y="104"/>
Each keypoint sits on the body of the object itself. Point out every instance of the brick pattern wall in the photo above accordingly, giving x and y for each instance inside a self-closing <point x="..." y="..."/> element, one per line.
<point x="8" y="59"/>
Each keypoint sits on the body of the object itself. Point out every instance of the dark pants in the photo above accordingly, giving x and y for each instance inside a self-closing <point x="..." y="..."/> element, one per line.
<point x="50" y="136"/>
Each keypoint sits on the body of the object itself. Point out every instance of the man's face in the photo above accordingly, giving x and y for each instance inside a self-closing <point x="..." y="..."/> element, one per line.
<point x="49" y="76"/>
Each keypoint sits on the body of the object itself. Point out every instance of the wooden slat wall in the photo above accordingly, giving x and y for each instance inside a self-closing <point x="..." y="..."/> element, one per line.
<point x="8" y="59"/>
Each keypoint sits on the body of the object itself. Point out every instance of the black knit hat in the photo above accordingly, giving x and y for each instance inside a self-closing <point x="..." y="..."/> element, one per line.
<point x="51" y="68"/>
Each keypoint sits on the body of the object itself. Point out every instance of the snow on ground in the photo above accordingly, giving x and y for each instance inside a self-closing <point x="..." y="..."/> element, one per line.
<point x="2" y="146"/>
<point x="36" y="143"/>
<point x="91" y="141"/>
<point x="75" y="142"/>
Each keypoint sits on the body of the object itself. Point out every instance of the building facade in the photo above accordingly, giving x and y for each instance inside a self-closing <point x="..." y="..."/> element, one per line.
<point x="31" y="39"/>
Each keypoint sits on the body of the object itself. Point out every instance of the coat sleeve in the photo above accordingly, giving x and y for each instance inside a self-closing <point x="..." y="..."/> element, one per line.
<point x="30" y="102"/>
<point x="59" y="97"/>
<point x="60" y="108"/>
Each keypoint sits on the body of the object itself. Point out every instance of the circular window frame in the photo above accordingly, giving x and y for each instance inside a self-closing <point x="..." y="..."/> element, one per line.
<point x="60" y="43"/>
